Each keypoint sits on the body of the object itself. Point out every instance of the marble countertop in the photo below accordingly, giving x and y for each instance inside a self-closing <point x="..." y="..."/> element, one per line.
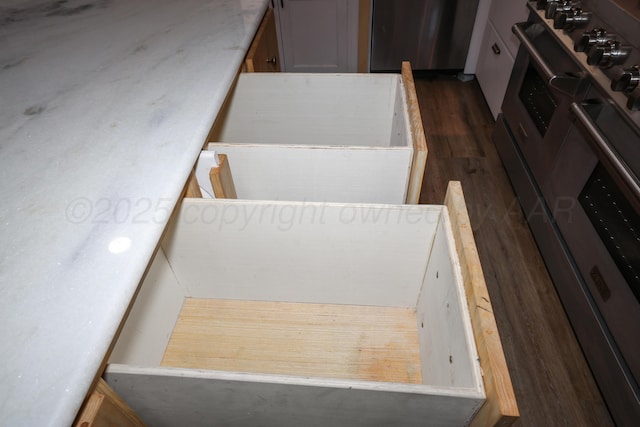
<point x="104" y="107"/>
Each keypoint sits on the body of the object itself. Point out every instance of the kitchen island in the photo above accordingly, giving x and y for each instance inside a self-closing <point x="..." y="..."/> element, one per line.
<point x="105" y="106"/>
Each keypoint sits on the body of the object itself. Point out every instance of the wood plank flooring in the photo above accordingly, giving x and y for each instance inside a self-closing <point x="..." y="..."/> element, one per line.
<point x="552" y="381"/>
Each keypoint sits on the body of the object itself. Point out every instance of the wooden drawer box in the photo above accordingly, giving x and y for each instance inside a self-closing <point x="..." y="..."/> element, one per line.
<point x="323" y="137"/>
<point x="285" y="313"/>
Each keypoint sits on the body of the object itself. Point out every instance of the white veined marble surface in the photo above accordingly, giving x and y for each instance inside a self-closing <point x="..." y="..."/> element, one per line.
<point x="104" y="106"/>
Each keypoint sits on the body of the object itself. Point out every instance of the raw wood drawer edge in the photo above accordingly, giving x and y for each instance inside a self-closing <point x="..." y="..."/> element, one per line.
<point x="500" y="408"/>
<point x="417" y="133"/>
<point x="103" y="407"/>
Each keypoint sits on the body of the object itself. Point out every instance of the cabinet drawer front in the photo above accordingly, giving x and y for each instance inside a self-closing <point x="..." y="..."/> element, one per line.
<point x="182" y="398"/>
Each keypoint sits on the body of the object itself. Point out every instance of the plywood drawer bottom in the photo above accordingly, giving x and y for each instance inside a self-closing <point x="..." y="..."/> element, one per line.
<point x="318" y="340"/>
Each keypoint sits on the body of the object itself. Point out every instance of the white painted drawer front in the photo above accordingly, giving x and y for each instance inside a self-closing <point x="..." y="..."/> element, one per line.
<point x="301" y="267"/>
<point x="494" y="69"/>
<point x="318" y="137"/>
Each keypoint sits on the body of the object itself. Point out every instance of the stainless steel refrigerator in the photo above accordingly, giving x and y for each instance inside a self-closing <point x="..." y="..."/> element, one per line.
<point x="431" y="34"/>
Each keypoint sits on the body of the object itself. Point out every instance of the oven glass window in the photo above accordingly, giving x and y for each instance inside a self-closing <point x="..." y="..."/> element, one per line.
<point x="616" y="222"/>
<point x="537" y="100"/>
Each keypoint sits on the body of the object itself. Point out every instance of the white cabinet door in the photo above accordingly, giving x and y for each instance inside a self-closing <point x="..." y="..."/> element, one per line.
<point x="494" y="68"/>
<point x="318" y="35"/>
<point x="505" y="13"/>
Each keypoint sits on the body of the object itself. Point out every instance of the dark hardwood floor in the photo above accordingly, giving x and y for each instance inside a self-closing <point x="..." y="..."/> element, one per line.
<point x="552" y="381"/>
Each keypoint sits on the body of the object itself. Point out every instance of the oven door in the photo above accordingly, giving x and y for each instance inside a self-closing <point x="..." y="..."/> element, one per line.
<point x="538" y="96"/>
<point x="594" y="198"/>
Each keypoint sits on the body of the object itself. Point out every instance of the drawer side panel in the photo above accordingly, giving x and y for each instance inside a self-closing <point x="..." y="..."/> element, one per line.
<point x="153" y="316"/>
<point x="447" y="349"/>
<point x="501" y="407"/>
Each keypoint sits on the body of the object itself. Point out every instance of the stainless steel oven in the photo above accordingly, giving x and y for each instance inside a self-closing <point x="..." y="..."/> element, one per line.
<point x="544" y="82"/>
<point x="569" y="138"/>
<point x="594" y="197"/>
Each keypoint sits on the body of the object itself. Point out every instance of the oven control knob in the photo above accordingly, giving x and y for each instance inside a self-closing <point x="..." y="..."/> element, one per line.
<point x="596" y="36"/>
<point x="608" y="54"/>
<point x="626" y="80"/>
<point x="633" y="101"/>
<point x="554" y="7"/>
<point x="571" y="19"/>
<point x="542" y="4"/>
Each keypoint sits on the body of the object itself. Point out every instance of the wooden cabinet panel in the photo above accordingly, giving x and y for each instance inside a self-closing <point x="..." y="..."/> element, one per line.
<point x="104" y="408"/>
<point x="263" y="54"/>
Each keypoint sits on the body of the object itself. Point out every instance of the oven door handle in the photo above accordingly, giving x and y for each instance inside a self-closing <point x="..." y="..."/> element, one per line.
<point x="569" y="85"/>
<point x="605" y="153"/>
